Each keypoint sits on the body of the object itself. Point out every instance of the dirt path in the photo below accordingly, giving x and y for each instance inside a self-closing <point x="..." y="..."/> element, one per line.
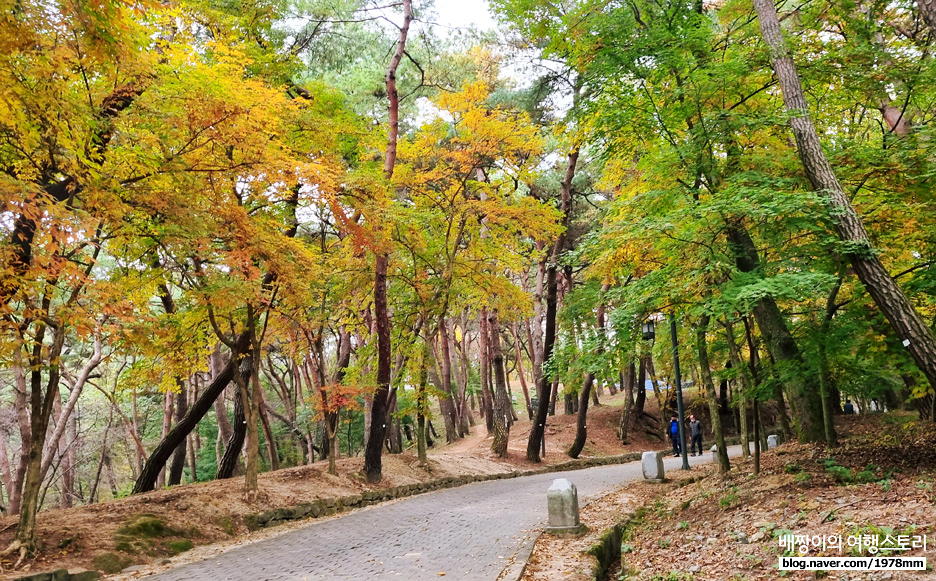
<point x="476" y="435"/>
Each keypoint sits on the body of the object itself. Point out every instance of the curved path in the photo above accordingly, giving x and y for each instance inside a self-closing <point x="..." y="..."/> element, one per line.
<point x="469" y="533"/>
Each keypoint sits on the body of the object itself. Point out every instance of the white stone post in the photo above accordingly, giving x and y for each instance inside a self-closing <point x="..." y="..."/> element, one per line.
<point x="562" y="498"/>
<point x="652" y="465"/>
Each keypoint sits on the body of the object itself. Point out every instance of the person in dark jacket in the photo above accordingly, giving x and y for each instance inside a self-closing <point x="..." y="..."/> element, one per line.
<point x="695" y="433"/>
<point x="674" y="436"/>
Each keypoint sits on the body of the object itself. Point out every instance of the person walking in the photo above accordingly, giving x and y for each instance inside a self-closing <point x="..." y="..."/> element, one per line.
<point x="674" y="436"/>
<point x="695" y="432"/>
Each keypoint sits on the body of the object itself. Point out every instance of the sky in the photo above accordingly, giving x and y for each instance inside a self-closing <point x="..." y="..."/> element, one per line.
<point x="462" y="13"/>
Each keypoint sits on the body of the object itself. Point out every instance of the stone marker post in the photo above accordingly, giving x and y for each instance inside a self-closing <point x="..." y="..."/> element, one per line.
<point x="715" y="453"/>
<point x="562" y="498"/>
<point x="772" y="441"/>
<point x="652" y="465"/>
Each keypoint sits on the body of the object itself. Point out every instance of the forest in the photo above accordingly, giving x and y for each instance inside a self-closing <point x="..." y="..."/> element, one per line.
<point x="243" y="235"/>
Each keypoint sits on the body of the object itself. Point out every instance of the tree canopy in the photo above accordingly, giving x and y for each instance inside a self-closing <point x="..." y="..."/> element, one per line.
<point x="266" y="221"/>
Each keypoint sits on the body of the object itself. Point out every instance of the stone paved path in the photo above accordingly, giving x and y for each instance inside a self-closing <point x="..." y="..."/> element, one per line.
<point x="470" y="533"/>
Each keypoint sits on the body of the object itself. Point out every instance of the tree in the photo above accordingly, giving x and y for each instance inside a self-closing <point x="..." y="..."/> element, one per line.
<point x="56" y="139"/>
<point x="581" y="425"/>
<point x="501" y="401"/>
<point x="375" y="439"/>
<point x="706" y="371"/>
<point x="915" y="334"/>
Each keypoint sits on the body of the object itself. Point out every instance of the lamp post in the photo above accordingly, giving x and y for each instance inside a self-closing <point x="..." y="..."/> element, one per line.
<point x="679" y="402"/>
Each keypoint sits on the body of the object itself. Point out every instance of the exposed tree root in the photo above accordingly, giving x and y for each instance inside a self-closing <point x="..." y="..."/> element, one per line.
<point x="16" y="545"/>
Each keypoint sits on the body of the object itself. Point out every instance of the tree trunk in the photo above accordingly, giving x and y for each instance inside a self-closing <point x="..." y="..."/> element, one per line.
<point x="166" y="425"/>
<point x="910" y="328"/>
<point x="197" y="411"/>
<point x="535" y="331"/>
<point x="658" y="391"/>
<point x="581" y="419"/>
<point x="373" y="448"/>
<point x="501" y="415"/>
<point x="378" y="427"/>
<point x="484" y="350"/>
<point x="192" y="455"/>
<point x="330" y="444"/>
<point x="460" y="385"/>
<point x="928" y="12"/>
<point x="178" y="457"/>
<point x="422" y="401"/>
<point x="747" y="385"/>
<point x="64" y="413"/>
<point x="5" y="470"/>
<point x="510" y="396"/>
<point x="447" y="403"/>
<point x="543" y="386"/>
<point x="641" y="388"/>
<point x="267" y="429"/>
<point x="394" y="434"/>
<point x="581" y="423"/>
<point x="195" y="443"/>
<point x="181" y="405"/>
<point x="543" y="393"/>
<point x="753" y="365"/>
<point x="757" y="441"/>
<point x="22" y="418"/>
<point x="251" y="391"/>
<point x="70" y="463"/>
<point x="225" y="430"/>
<point x="40" y="406"/>
<point x="105" y="450"/>
<point x="446" y="406"/>
<point x="824" y="373"/>
<point x="523" y="383"/>
<point x="723" y="397"/>
<point x="55" y="456"/>
<point x="724" y="465"/>
<point x="628" y="382"/>
<point x="553" y="396"/>
<point x="467" y="400"/>
<point x="233" y="447"/>
<point x="781" y="343"/>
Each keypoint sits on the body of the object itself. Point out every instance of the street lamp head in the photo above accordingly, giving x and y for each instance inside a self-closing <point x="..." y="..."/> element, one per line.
<point x="647" y="329"/>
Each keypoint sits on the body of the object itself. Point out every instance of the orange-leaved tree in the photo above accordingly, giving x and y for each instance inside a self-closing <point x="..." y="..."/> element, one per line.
<point x="472" y="220"/>
<point x="69" y="72"/>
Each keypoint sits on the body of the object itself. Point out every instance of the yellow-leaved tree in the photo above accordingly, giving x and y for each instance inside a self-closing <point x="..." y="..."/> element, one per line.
<point x="470" y="226"/>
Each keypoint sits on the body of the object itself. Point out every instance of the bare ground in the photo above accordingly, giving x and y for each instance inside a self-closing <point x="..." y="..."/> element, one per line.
<point x="880" y="480"/>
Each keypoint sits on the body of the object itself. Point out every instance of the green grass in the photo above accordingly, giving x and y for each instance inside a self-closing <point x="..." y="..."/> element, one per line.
<point x="844" y="476"/>
<point x="180" y="546"/>
<point x="110" y="563"/>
